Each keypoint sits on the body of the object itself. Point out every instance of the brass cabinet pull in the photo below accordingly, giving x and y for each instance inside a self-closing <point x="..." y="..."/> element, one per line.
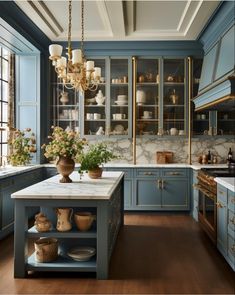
<point x="174" y="173"/>
<point x="159" y="182"/>
<point x="148" y="173"/>
<point x="232" y="220"/>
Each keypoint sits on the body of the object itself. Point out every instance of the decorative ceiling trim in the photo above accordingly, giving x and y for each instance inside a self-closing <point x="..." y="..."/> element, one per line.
<point x="52" y="17"/>
<point x="105" y="17"/>
<point x="183" y="15"/>
<point x="42" y="17"/>
<point x="193" y="17"/>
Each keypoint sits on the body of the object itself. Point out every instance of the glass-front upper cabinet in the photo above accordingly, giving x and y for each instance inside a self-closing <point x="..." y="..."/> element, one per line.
<point x="225" y="122"/>
<point x="65" y="107"/>
<point x="174" y="96"/>
<point x="95" y="105"/>
<point x="147" y="96"/>
<point x="120" y="97"/>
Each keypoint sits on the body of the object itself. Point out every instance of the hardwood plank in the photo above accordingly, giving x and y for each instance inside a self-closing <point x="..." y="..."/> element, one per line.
<point x="156" y="253"/>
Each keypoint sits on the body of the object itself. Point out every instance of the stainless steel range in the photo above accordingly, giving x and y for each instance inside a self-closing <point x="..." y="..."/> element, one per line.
<point x="207" y="188"/>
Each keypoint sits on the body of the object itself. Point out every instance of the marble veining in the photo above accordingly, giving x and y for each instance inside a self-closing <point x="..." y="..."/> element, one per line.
<point x="83" y="189"/>
<point x="228" y="182"/>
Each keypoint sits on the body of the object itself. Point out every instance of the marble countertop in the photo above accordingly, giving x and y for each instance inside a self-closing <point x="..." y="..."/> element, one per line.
<point x="11" y="171"/>
<point x="84" y="189"/>
<point x="228" y="182"/>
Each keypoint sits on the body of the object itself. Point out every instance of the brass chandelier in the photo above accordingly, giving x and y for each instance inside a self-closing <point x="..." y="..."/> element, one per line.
<point x="74" y="71"/>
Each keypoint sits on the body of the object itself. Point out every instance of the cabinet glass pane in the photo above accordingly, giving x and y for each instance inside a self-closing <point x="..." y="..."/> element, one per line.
<point x="119" y="97"/>
<point x="65" y="107"/>
<point x="94" y="107"/>
<point x="201" y="123"/>
<point x="225" y="123"/>
<point x="174" y="96"/>
<point x="147" y="96"/>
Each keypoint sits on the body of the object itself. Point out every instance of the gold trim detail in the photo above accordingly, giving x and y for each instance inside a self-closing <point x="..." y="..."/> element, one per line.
<point x="134" y="109"/>
<point x="189" y="110"/>
<point x="222" y="99"/>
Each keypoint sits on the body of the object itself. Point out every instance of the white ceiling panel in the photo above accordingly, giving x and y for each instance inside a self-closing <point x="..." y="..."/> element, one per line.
<point x="122" y="20"/>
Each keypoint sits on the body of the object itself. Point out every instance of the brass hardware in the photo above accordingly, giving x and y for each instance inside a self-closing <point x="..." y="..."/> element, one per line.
<point x="163" y="183"/>
<point x="233" y="248"/>
<point x="159" y="184"/>
<point x="134" y="109"/>
<point x="148" y="173"/>
<point x="232" y="220"/>
<point x="174" y="173"/>
<point x="189" y="110"/>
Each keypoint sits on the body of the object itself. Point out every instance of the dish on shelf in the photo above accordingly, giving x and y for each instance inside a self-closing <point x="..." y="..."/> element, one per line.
<point x="121" y="102"/>
<point x="81" y="253"/>
<point x="119" y="128"/>
<point x="146" y="118"/>
<point x="90" y="101"/>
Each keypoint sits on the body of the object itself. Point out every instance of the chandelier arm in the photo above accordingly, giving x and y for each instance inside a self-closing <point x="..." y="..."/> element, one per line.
<point x="69" y="31"/>
<point x="82" y="29"/>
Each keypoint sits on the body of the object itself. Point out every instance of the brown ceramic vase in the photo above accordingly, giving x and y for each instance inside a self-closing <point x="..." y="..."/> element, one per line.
<point x="95" y="173"/>
<point x="65" y="167"/>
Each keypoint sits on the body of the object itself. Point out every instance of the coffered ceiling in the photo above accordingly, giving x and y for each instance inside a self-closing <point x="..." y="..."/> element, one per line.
<point x="121" y="20"/>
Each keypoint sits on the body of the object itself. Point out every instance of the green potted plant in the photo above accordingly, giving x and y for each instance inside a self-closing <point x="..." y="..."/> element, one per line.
<point x="66" y="147"/>
<point x="22" y="144"/>
<point x="93" y="158"/>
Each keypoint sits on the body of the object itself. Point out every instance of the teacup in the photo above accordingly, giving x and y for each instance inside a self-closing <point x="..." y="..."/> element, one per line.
<point x="181" y="132"/>
<point x="147" y="114"/>
<point x="97" y="116"/>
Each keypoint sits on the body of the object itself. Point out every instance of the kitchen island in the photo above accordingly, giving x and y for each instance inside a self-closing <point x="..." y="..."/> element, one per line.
<point x="104" y="197"/>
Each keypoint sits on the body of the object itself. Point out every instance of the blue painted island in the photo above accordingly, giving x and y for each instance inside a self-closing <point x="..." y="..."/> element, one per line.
<point x="103" y="197"/>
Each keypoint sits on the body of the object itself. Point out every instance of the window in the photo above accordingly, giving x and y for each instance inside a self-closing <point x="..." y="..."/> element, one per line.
<point x="4" y="79"/>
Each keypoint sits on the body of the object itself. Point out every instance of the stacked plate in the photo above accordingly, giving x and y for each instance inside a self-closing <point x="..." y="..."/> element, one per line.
<point x="81" y="253"/>
<point x="121" y="100"/>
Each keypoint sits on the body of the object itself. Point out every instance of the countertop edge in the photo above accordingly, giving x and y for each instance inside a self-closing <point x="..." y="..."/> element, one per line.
<point x="227" y="182"/>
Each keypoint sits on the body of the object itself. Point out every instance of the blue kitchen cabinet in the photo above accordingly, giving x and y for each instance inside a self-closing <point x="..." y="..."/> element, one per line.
<point x="226" y="224"/>
<point x="222" y="219"/>
<point x="8" y="186"/>
<point x="161" y="189"/>
<point x="128" y="185"/>
<point x="148" y="194"/>
<point x="195" y="195"/>
<point x="49" y="172"/>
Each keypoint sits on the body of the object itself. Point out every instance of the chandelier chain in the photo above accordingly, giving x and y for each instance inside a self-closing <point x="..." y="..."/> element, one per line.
<point x="82" y="28"/>
<point x="69" y="28"/>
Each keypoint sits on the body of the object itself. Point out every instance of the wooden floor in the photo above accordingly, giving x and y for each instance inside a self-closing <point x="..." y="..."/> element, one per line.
<point x="155" y="253"/>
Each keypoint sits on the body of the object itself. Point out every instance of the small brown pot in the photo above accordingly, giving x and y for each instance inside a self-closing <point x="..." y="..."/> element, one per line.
<point x="65" y="167"/>
<point x="95" y="173"/>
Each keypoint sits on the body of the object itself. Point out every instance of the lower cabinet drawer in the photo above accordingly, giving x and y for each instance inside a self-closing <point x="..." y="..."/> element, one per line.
<point x="175" y="172"/>
<point x="127" y="172"/>
<point x="147" y="173"/>
<point x="231" y="220"/>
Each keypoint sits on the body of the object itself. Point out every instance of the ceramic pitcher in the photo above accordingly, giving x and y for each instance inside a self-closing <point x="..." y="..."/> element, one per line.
<point x="64" y="216"/>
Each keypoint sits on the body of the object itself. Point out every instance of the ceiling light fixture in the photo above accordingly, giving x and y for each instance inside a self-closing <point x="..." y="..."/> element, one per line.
<point x="74" y="71"/>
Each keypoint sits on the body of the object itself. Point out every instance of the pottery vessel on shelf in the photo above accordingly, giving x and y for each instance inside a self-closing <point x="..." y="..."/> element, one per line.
<point x="173" y="131"/>
<point x="42" y="224"/>
<point x="140" y="97"/>
<point x="100" y="98"/>
<point x="83" y="220"/>
<point x="46" y="249"/>
<point x="64" y="216"/>
<point x="64" y="98"/>
<point x="65" y="167"/>
<point x="95" y="173"/>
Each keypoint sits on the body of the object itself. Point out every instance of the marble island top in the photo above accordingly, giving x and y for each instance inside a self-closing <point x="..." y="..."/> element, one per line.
<point x="83" y="189"/>
<point x="228" y="182"/>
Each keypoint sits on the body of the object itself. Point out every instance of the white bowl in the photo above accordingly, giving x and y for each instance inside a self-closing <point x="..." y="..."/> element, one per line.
<point x="81" y="253"/>
<point x="120" y="102"/>
<point x="122" y="97"/>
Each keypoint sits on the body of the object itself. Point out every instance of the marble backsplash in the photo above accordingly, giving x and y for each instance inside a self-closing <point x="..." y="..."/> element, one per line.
<point x="146" y="148"/>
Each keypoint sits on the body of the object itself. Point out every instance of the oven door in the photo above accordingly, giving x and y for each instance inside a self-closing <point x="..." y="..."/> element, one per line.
<point x="207" y="212"/>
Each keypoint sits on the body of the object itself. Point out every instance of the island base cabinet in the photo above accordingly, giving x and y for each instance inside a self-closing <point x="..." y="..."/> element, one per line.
<point x="102" y="235"/>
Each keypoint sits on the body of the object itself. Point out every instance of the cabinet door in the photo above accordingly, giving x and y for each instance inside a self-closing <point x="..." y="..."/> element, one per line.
<point x="222" y="227"/>
<point x="147" y="96"/>
<point x="7" y="206"/>
<point x="94" y="115"/>
<point x="148" y="194"/>
<point x="120" y="97"/>
<point x="175" y="194"/>
<point x="174" y="96"/>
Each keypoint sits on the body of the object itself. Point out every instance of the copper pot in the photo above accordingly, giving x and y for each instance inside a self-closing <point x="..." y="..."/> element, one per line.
<point x="65" y="167"/>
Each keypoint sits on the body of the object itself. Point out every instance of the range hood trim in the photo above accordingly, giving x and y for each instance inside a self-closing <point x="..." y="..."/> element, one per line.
<point x="218" y="94"/>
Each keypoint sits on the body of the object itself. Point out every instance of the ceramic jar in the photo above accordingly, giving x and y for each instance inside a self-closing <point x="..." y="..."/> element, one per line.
<point x="65" y="167"/>
<point x="42" y="224"/>
<point x="64" y="216"/>
<point x="64" y="98"/>
<point x="46" y="249"/>
<point x="173" y="131"/>
<point x="140" y="97"/>
<point x="84" y="220"/>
